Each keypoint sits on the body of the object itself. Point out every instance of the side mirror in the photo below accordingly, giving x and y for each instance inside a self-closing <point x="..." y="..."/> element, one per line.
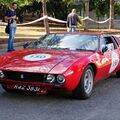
<point x="104" y="49"/>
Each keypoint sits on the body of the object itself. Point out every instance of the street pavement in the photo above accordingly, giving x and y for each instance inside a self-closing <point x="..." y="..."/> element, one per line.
<point x="104" y="104"/>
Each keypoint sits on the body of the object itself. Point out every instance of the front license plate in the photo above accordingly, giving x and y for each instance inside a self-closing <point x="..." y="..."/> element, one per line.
<point x="27" y="88"/>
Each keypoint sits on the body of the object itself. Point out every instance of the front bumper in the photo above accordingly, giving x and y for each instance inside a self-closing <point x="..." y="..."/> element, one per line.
<point x="44" y="86"/>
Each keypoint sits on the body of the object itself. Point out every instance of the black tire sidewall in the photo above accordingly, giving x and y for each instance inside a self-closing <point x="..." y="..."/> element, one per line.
<point x="4" y="86"/>
<point x="80" y="92"/>
<point x="118" y="74"/>
<point x="82" y="82"/>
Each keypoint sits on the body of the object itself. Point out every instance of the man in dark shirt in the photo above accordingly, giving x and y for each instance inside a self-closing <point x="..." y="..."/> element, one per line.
<point x="72" y="20"/>
<point x="10" y="16"/>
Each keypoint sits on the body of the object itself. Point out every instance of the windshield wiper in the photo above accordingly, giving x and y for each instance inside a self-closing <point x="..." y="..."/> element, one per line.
<point x="61" y="48"/>
<point x="85" y="50"/>
<point x="79" y="49"/>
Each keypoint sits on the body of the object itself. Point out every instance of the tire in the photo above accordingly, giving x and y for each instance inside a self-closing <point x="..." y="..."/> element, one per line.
<point x="118" y="73"/>
<point x="85" y="86"/>
<point x="7" y="89"/>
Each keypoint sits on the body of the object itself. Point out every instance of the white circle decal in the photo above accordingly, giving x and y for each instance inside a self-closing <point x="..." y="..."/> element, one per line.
<point x="36" y="57"/>
<point x="115" y="62"/>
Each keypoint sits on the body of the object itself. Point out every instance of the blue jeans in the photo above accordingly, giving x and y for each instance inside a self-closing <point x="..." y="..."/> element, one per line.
<point x="72" y="29"/>
<point x="11" y="37"/>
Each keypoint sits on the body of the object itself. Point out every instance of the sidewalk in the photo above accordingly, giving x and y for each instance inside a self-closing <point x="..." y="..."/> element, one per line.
<point x="30" y="33"/>
<point x="18" y="43"/>
<point x="23" y="35"/>
<point x="3" y="51"/>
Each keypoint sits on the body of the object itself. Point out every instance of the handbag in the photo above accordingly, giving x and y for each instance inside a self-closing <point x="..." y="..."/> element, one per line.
<point x="7" y="28"/>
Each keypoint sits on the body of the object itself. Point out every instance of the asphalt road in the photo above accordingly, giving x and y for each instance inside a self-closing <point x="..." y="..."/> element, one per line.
<point x="104" y="104"/>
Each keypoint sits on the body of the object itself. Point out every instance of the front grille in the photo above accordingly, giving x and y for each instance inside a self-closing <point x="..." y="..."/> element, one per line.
<point x="24" y="76"/>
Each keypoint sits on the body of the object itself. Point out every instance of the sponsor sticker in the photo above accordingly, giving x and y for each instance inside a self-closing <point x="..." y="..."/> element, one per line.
<point x="37" y="57"/>
<point x="27" y="88"/>
<point x="115" y="62"/>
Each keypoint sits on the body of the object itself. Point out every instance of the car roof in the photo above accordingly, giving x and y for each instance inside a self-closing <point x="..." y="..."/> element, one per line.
<point x="81" y="32"/>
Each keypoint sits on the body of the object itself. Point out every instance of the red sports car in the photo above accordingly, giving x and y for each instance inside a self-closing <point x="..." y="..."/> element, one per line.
<point x="61" y="61"/>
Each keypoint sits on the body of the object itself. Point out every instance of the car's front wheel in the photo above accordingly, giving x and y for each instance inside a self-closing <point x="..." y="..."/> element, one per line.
<point x="7" y="89"/>
<point x="118" y="73"/>
<point x="85" y="87"/>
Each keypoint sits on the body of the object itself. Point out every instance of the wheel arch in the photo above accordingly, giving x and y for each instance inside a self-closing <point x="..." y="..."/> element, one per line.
<point x="79" y="92"/>
<point x="94" y="68"/>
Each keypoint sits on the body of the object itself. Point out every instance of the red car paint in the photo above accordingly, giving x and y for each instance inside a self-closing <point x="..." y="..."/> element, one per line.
<point x="69" y="63"/>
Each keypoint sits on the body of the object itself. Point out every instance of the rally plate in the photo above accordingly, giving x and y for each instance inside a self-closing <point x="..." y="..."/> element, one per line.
<point x="27" y="88"/>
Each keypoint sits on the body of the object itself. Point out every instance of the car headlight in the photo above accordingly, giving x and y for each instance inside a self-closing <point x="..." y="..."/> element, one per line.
<point x="50" y="78"/>
<point x="60" y="79"/>
<point x="1" y="74"/>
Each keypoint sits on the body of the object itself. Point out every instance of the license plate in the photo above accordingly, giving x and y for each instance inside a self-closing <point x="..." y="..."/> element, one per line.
<point x="27" y="88"/>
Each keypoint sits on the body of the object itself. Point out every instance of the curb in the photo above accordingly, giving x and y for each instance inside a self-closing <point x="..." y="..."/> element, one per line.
<point x="5" y="40"/>
<point x="3" y="46"/>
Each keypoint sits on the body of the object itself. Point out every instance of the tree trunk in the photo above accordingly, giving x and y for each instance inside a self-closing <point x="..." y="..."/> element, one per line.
<point x="86" y="13"/>
<point x="46" y="24"/>
<point x="111" y="21"/>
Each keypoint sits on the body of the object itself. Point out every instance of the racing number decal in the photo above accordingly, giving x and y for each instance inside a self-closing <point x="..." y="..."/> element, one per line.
<point x="115" y="62"/>
<point x="37" y="57"/>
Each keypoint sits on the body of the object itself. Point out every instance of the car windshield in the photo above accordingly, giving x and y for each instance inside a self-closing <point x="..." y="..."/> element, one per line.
<point x="67" y="41"/>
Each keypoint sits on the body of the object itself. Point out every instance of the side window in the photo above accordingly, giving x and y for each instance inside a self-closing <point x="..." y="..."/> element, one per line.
<point x="107" y="41"/>
<point x="102" y="43"/>
<point x="110" y="44"/>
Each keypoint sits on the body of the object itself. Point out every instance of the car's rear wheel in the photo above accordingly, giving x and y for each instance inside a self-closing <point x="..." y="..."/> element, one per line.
<point x="85" y="87"/>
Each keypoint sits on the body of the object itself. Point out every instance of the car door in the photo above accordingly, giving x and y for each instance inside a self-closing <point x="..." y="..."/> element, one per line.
<point x="113" y="54"/>
<point x="109" y="60"/>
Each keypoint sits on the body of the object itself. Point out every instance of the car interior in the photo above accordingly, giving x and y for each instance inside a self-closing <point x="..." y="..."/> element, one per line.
<point x="110" y="44"/>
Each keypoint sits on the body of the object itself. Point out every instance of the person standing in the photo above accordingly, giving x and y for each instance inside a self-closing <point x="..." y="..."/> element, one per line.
<point x="72" y="20"/>
<point x="10" y="16"/>
<point x="1" y="13"/>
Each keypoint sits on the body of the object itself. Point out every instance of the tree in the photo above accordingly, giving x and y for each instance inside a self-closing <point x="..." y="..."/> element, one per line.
<point x="101" y="7"/>
<point x="59" y="9"/>
<point x="111" y="24"/>
<point x="44" y="14"/>
<point x="86" y="12"/>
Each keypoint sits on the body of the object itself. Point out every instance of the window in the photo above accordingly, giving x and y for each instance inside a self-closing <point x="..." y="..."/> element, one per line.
<point x="107" y="41"/>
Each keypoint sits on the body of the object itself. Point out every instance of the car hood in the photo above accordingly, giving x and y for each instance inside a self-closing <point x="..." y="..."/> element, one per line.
<point x="41" y="60"/>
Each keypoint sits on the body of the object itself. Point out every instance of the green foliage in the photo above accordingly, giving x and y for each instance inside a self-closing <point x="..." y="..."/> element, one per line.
<point x="117" y="10"/>
<point x="100" y="6"/>
<point x="19" y="2"/>
<point x="82" y="24"/>
<point x="60" y="8"/>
